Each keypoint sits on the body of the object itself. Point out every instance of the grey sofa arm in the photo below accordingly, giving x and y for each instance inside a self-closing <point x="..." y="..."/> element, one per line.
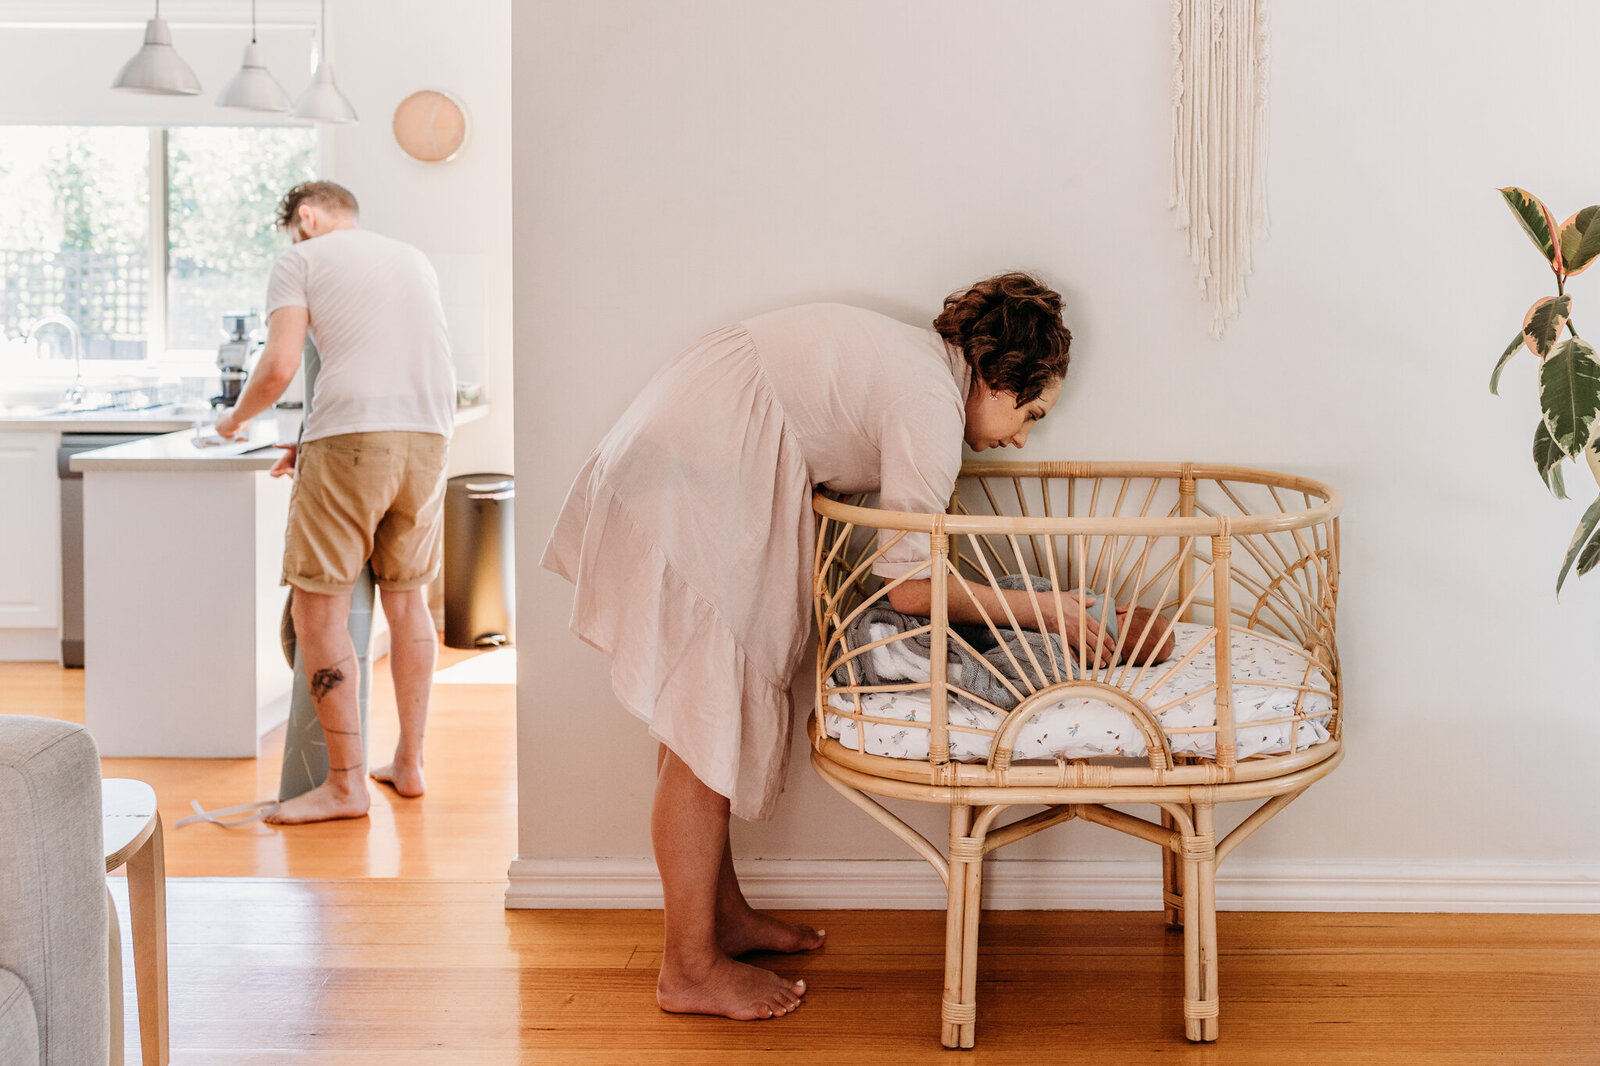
<point x="19" y="1026"/>
<point x="53" y="928"/>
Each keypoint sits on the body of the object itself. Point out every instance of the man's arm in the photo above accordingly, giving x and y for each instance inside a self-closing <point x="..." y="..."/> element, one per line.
<point x="280" y="359"/>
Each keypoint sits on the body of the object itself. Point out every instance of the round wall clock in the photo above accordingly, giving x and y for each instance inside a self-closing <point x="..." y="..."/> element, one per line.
<point x="430" y="126"/>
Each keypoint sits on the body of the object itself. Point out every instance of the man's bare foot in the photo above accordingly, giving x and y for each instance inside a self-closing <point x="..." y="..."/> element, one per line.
<point x="727" y="989"/>
<point x="322" y="804"/>
<point x="751" y="930"/>
<point x="404" y="779"/>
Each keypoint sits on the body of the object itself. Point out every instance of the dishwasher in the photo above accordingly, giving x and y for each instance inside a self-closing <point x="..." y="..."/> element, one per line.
<point x="72" y="534"/>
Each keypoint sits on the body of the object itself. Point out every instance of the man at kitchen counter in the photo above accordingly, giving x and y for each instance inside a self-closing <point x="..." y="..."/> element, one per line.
<point x="369" y="471"/>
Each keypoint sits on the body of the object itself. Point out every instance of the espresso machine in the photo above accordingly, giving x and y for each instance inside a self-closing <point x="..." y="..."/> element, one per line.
<point x="235" y="355"/>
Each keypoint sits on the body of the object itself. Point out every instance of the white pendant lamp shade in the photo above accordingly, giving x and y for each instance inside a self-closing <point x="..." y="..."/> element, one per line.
<point x="156" y="68"/>
<point x="322" y="99"/>
<point x="254" y="88"/>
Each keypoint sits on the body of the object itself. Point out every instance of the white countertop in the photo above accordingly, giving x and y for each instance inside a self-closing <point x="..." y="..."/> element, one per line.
<point x="163" y="420"/>
<point x="176" y="451"/>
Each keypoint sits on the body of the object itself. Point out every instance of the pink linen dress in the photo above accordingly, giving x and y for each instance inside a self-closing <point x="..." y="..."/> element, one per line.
<point x="689" y="533"/>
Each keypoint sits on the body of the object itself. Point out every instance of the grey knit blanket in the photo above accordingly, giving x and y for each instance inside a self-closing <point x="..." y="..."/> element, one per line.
<point x="980" y="674"/>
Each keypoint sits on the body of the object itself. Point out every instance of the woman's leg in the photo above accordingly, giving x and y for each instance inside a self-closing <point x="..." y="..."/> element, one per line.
<point x="741" y="928"/>
<point x="689" y="828"/>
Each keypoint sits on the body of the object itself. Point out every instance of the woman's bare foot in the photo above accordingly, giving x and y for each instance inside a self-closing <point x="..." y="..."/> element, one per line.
<point x="323" y="804"/>
<point x="751" y="930"/>
<point x="403" y="778"/>
<point x="727" y="989"/>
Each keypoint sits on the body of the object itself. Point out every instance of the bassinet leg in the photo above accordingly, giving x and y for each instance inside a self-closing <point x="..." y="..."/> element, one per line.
<point x="1200" y="1002"/>
<point x="1171" y="879"/>
<point x="959" y="1008"/>
<point x="973" y="906"/>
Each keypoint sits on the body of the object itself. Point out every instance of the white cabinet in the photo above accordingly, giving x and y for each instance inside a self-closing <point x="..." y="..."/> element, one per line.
<point x="30" y="531"/>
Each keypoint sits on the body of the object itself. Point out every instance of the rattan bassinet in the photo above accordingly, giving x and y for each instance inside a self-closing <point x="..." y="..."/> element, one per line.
<point x="1247" y="708"/>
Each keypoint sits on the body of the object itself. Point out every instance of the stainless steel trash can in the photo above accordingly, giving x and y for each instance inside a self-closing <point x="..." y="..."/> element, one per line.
<point x="479" y="563"/>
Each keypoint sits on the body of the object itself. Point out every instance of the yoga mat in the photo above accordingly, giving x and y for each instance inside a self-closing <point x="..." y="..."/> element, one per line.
<point x="305" y="750"/>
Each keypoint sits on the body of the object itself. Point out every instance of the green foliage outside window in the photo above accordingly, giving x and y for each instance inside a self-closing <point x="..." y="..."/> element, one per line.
<point x="75" y="227"/>
<point x="224" y="184"/>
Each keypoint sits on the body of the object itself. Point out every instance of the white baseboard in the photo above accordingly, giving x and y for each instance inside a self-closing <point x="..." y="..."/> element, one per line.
<point x="910" y="884"/>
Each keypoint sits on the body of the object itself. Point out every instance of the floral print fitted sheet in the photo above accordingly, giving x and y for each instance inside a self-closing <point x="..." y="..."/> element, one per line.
<point x="1081" y="728"/>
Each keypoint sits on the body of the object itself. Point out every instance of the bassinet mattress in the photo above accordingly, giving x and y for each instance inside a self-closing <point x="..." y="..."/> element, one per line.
<point x="1080" y="728"/>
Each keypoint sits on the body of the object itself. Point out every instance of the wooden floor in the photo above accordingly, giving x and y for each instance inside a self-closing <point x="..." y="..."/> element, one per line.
<point x="438" y="973"/>
<point x="464" y="829"/>
<point x="387" y="941"/>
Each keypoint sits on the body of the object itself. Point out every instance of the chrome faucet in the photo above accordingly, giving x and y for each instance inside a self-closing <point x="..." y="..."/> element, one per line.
<point x="77" y="393"/>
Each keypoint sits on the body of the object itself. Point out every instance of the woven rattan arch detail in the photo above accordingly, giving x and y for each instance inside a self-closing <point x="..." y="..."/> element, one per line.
<point x="983" y="717"/>
<point x="1160" y="750"/>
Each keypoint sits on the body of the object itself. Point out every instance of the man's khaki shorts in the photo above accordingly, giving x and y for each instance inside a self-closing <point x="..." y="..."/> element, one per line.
<point x="366" y="495"/>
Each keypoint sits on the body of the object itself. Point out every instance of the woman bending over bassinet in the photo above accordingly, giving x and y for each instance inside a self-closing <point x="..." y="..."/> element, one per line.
<point x="689" y="534"/>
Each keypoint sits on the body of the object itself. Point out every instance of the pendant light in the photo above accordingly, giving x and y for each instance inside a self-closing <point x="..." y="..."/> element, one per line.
<point x="156" y="67"/>
<point x="254" y="88"/>
<point x="322" y="99"/>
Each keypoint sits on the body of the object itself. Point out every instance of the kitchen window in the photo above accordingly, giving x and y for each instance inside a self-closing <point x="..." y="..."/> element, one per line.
<point x="144" y="237"/>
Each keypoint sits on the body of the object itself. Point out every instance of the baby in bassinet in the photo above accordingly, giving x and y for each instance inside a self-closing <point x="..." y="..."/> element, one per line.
<point x="1148" y="635"/>
<point x="993" y="663"/>
<point x="1144" y="635"/>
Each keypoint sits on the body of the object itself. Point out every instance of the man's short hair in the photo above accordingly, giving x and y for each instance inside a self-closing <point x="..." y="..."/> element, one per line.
<point x="325" y="194"/>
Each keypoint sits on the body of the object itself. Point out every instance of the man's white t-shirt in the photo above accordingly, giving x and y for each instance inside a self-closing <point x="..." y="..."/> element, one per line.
<point x="379" y="329"/>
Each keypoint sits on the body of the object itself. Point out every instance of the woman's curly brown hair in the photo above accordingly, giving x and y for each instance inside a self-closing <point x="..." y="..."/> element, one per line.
<point x="1009" y="328"/>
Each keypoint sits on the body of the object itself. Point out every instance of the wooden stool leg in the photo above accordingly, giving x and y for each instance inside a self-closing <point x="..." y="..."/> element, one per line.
<point x="147" y="900"/>
<point x="953" y="1009"/>
<point x="114" y="975"/>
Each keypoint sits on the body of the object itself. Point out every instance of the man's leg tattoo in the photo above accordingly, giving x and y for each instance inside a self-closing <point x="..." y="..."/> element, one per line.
<point x="325" y="681"/>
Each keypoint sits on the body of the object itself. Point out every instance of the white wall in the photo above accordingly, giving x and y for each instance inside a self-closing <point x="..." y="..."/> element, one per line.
<point x="679" y="166"/>
<point x="382" y="50"/>
<point x="458" y="212"/>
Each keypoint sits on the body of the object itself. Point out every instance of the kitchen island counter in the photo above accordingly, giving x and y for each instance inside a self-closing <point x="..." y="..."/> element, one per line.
<point x="174" y="452"/>
<point x="181" y="560"/>
<point x="183" y="551"/>
<point x="177" y="452"/>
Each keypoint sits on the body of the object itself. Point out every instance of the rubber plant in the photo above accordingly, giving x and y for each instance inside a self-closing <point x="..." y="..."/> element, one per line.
<point x="1569" y="369"/>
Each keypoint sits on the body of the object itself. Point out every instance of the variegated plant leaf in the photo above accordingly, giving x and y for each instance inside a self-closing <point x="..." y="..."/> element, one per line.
<point x="1586" y="525"/>
<point x="1548" y="458"/>
<point x="1569" y="393"/>
<point x="1589" y="556"/>
<point x="1580" y="240"/>
<point x="1537" y="222"/>
<point x="1542" y="325"/>
<point x="1511" y="349"/>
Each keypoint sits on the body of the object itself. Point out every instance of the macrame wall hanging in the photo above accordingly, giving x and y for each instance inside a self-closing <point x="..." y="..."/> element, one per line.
<point x="1219" y="141"/>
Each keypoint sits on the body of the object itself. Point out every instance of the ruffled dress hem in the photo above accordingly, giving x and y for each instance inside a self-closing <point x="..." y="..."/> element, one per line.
<point x="675" y="661"/>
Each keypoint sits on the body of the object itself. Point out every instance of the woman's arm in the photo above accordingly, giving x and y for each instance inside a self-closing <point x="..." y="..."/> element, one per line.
<point x="916" y="597"/>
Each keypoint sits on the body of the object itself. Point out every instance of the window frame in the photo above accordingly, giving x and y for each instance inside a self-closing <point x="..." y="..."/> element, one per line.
<point x="158" y="245"/>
